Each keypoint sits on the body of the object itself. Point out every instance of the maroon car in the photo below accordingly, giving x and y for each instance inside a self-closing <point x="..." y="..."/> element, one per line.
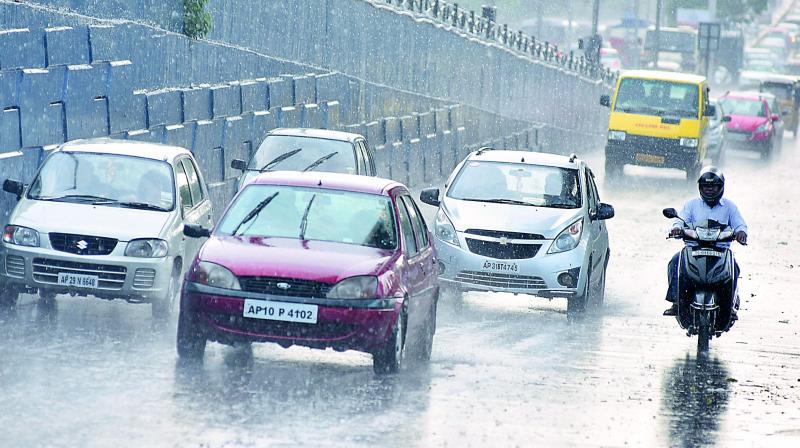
<point x="319" y="260"/>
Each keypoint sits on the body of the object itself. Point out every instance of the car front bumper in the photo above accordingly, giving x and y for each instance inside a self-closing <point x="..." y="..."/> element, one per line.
<point x="650" y="151"/>
<point x="27" y="269"/>
<point x="362" y="325"/>
<point x="538" y="276"/>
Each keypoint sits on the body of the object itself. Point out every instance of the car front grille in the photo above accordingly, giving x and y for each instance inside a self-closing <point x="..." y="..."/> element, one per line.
<point x="498" y="250"/>
<point x="15" y="266"/>
<point x="46" y="270"/>
<point x="327" y="330"/>
<point x="504" y="234"/>
<point x="288" y="286"/>
<point x="495" y="280"/>
<point x="144" y="278"/>
<point x="82" y="244"/>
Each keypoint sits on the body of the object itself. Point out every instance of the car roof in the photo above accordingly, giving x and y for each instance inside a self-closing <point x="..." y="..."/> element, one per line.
<point x="317" y="133"/>
<point x="336" y="181"/>
<point x="527" y="157"/>
<point x="747" y="95"/>
<point x="663" y="76"/>
<point x="146" y="150"/>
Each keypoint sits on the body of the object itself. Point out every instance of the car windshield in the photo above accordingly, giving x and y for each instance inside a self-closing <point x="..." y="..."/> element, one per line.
<point x="743" y="106"/>
<point x="105" y="179"/>
<point x="316" y="213"/>
<point x="517" y="183"/>
<point x="311" y="150"/>
<point x="655" y="97"/>
<point x="781" y="91"/>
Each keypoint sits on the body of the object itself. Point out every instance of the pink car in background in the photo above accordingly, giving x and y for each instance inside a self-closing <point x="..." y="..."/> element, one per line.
<point x="753" y="124"/>
<point x="319" y="260"/>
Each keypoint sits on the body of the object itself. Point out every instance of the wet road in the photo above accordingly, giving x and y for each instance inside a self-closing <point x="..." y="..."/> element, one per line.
<point x="506" y="370"/>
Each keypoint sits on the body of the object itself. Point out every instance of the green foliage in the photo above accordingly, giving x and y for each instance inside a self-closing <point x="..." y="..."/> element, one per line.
<point x="196" y="20"/>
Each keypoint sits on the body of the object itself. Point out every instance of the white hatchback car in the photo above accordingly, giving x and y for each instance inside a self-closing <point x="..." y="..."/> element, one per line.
<point x="105" y="218"/>
<point x="522" y="222"/>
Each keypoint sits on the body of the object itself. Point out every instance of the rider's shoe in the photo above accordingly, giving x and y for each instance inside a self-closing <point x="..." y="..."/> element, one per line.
<point x="672" y="311"/>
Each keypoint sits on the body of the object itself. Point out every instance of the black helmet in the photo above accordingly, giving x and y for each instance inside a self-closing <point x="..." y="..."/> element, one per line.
<point x="711" y="176"/>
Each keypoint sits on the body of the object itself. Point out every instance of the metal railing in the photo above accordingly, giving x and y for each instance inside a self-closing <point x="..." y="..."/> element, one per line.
<point x="451" y="14"/>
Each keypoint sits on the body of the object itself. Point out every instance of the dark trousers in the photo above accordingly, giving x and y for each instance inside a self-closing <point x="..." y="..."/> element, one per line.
<point x="672" y="272"/>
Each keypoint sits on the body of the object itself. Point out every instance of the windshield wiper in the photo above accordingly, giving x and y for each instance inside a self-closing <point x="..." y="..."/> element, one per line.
<point x="560" y="206"/>
<point x="142" y="205"/>
<point x="254" y="212"/>
<point x="279" y="159"/>
<point x="503" y="201"/>
<point x="81" y="197"/>
<point x="320" y="161"/>
<point x="304" y="221"/>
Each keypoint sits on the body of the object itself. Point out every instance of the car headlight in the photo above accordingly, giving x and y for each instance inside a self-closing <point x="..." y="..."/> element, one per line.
<point x="763" y="128"/>
<point x="147" y="248"/>
<point x="568" y="239"/>
<point x="689" y="142"/>
<point x="617" y="135"/>
<point x="212" y="274"/>
<point x="22" y="236"/>
<point x="445" y="230"/>
<point x="361" y="287"/>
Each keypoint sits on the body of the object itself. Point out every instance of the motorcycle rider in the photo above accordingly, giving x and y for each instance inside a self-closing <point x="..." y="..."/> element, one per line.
<point x="709" y="206"/>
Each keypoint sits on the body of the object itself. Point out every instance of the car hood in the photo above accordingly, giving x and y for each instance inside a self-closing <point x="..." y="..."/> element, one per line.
<point x="745" y="123"/>
<point x="86" y="219"/>
<point x="545" y="221"/>
<point x="292" y="258"/>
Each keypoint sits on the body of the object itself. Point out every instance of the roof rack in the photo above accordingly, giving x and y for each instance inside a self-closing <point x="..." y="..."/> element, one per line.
<point x="572" y="158"/>
<point x="482" y="149"/>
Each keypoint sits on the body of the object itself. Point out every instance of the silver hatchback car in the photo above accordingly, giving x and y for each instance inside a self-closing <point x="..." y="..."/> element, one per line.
<point x="105" y="218"/>
<point x="525" y="223"/>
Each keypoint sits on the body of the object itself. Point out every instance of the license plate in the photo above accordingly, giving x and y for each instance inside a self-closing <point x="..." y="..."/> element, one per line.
<point x="77" y="280"/>
<point x="706" y="253"/>
<point x="650" y="158"/>
<point x="500" y="266"/>
<point x="286" y="312"/>
<point x="738" y="137"/>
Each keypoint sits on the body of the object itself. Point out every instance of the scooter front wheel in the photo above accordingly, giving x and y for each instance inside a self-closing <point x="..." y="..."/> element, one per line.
<point x="703" y="332"/>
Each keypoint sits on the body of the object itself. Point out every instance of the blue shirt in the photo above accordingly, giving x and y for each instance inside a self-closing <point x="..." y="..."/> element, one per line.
<point x="725" y="213"/>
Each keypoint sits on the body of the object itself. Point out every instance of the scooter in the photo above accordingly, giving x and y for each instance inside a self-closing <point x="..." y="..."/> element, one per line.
<point x="706" y="288"/>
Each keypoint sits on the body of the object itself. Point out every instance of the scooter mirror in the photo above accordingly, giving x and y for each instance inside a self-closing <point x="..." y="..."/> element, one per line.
<point x="670" y="213"/>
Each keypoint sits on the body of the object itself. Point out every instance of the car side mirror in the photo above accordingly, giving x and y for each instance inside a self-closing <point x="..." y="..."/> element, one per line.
<point x="239" y="164"/>
<point x="727" y="119"/>
<point x="430" y="196"/>
<point x="711" y="110"/>
<point x="196" y="231"/>
<point x="14" y="187"/>
<point x="604" y="211"/>
<point x="774" y="118"/>
<point x="605" y="100"/>
<point x="670" y="213"/>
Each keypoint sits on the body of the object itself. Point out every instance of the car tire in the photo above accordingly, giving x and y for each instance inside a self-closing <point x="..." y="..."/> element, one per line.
<point x="161" y="308"/>
<point x="389" y="358"/>
<point x="613" y="170"/>
<point x="599" y="295"/>
<point x="8" y="299"/>
<point x="426" y="345"/>
<point x="190" y="341"/>
<point x="577" y="303"/>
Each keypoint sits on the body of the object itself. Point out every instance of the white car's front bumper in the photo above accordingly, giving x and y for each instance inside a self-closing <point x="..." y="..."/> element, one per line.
<point x="28" y="268"/>
<point x="538" y="275"/>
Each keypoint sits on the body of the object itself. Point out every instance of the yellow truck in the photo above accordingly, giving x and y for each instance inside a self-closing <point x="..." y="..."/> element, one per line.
<point x="657" y="119"/>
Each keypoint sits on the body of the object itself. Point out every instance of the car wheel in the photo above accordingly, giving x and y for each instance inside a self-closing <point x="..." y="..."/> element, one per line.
<point x="389" y="358"/>
<point x="8" y="299"/>
<point x="190" y="342"/>
<point x="599" y="295"/>
<point x="426" y="347"/>
<point x="161" y="308"/>
<point x="577" y="303"/>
